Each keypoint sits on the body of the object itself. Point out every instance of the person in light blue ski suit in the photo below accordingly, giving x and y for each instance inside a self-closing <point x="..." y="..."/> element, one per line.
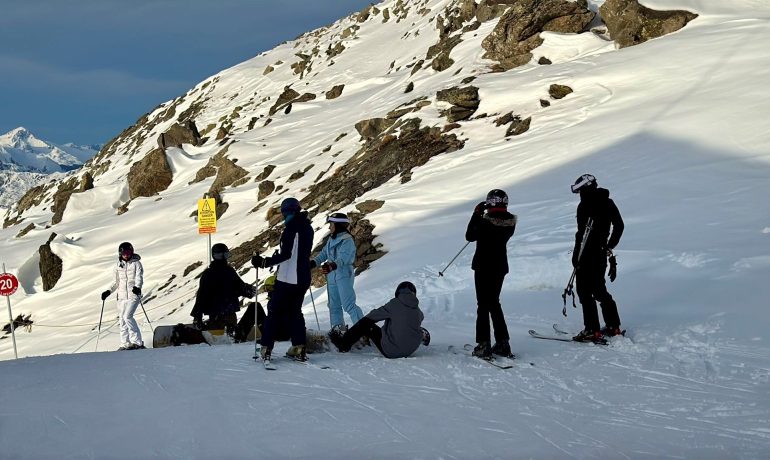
<point x="336" y="261"/>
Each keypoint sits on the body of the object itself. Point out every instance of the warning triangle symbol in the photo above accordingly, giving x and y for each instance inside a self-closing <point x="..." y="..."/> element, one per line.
<point x="206" y="206"/>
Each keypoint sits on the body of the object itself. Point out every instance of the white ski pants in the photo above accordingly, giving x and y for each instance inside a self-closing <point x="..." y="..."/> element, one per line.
<point x="129" y="329"/>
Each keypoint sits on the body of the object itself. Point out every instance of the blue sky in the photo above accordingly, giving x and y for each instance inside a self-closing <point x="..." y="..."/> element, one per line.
<point x="83" y="70"/>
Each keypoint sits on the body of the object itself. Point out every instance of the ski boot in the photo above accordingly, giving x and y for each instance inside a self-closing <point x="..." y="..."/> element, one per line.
<point x="587" y="335"/>
<point x="610" y="331"/>
<point x="264" y="353"/>
<point x="297" y="353"/>
<point x="483" y="350"/>
<point x="502" y="348"/>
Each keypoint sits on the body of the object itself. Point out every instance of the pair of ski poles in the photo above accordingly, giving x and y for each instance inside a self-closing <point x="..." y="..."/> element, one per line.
<point x="101" y="315"/>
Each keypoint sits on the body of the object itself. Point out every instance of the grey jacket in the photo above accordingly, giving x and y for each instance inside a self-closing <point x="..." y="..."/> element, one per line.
<point x="401" y="334"/>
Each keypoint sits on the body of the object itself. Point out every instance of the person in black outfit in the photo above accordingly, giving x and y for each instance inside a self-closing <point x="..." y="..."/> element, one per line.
<point x="491" y="226"/>
<point x="591" y="264"/>
<point x="292" y="280"/>
<point x="218" y="292"/>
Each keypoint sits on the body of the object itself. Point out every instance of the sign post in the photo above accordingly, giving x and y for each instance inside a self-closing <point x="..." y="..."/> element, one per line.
<point x="207" y="220"/>
<point x="8" y="285"/>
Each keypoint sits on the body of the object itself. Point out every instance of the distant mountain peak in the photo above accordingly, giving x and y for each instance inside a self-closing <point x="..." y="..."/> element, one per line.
<point x="21" y="138"/>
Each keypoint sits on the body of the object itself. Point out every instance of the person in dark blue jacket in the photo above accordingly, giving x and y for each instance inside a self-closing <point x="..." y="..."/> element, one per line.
<point x="292" y="279"/>
<point x="218" y="293"/>
<point x="491" y="226"/>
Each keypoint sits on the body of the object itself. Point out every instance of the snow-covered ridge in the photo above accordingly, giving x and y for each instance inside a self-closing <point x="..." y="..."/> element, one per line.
<point x="675" y="128"/>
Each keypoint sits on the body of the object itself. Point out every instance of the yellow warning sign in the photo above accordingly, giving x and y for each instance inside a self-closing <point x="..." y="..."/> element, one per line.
<point x="207" y="216"/>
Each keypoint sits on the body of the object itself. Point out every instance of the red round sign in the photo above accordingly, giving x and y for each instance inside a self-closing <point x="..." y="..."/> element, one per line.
<point x="8" y="284"/>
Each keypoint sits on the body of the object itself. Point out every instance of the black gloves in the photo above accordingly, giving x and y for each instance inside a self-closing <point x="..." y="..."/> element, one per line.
<point x="198" y="323"/>
<point x="249" y="291"/>
<point x="106" y="294"/>
<point x="313" y="264"/>
<point x="479" y="209"/>
<point x="575" y="257"/>
<point x="137" y="291"/>
<point x="258" y="261"/>
<point x="613" y="273"/>
<point x="328" y="267"/>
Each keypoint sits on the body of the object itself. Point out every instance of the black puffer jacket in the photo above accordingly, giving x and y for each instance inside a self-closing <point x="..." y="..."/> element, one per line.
<point x="491" y="232"/>
<point x="218" y="291"/>
<point x="597" y="205"/>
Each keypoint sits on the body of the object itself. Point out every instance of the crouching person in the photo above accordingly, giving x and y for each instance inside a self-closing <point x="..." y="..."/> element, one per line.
<point x="401" y="334"/>
<point x="218" y="293"/>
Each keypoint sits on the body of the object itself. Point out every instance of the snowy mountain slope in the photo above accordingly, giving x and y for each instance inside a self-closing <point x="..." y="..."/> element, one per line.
<point x="26" y="161"/>
<point x="673" y="127"/>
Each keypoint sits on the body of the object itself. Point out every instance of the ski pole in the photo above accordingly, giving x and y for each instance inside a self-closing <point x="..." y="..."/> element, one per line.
<point x="256" y="302"/>
<point x="99" y="330"/>
<point x="568" y="290"/>
<point x="314" y="310"/>
<point x="441" y="273"/>
<point x="147" y="317"/>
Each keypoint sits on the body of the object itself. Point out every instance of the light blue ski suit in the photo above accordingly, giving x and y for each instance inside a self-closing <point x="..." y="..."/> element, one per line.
<point x="340" y="249"/>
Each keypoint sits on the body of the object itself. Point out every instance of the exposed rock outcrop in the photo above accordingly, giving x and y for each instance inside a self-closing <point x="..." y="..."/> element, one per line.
<point x="379" y="160"/>
<point x="518" y="31"/>
<point x="61" y="198"/>
<point x="150" y="175"/>
<point x="630" y="23"/>
<point x="86" y="182"/>
<point x="464" y="102"/>
<point x="335" y="92"/>
<point x="559" y="91"/>
<point x="178" y="134"/>
<point x="50" y="265"/>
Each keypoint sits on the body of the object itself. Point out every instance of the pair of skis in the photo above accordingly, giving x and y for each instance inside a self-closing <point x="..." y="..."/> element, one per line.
<point x="564" y="336"/>
<point x="500" y="362"/>
<point x="270" y="366"/>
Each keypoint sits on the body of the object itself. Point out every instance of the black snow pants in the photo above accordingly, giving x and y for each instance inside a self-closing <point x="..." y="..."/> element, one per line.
<point x="591" y="288"/>
<point x="488" y="287"/>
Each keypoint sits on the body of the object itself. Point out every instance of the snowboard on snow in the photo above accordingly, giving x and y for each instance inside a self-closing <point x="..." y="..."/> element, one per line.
<point x="186" y="334"/>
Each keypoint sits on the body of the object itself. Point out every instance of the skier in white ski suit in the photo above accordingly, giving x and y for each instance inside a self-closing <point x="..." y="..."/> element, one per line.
<point x="128" y="280"/>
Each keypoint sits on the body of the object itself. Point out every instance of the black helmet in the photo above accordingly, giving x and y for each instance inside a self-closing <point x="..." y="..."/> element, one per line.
<point x="584" y="182"/>
<point x="125" y="246"/>
<point x="497" y="198"/>
<point x="406" y="285"/>
<point x="290" y="206"/>
<point x="338" y="218"/>
<point x="220" y="252"/>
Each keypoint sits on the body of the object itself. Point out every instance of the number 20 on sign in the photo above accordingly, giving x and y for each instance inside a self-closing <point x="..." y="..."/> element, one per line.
<point x="8" y="284"/>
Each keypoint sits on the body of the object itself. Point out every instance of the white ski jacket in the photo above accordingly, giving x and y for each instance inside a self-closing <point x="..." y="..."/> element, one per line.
<point x="127" y="275"/>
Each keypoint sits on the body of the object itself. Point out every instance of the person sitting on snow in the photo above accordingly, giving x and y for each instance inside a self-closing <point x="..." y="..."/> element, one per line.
<point x="218" y="292"/>
<point x="401" y="334"/>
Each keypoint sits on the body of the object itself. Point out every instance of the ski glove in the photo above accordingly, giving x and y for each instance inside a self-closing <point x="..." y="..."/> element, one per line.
<point x="479" y="209"/>
<point x="613" y="273"/>
<point x="313" y="264"/>
<point x="575" y="258"/>
<point x="258" y="261"/>
<point x="249" y="291"/>
<point x="328" y="267"/>
<point x="106" y="294"/>
<point x="137" y="291"/>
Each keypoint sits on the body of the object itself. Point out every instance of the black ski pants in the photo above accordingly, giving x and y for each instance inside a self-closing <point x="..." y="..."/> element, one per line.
<point x="592" y="288"/>
<point x="365" y="327"/>
<point x="285" y="303"/>
<point x="488" y="287"/>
